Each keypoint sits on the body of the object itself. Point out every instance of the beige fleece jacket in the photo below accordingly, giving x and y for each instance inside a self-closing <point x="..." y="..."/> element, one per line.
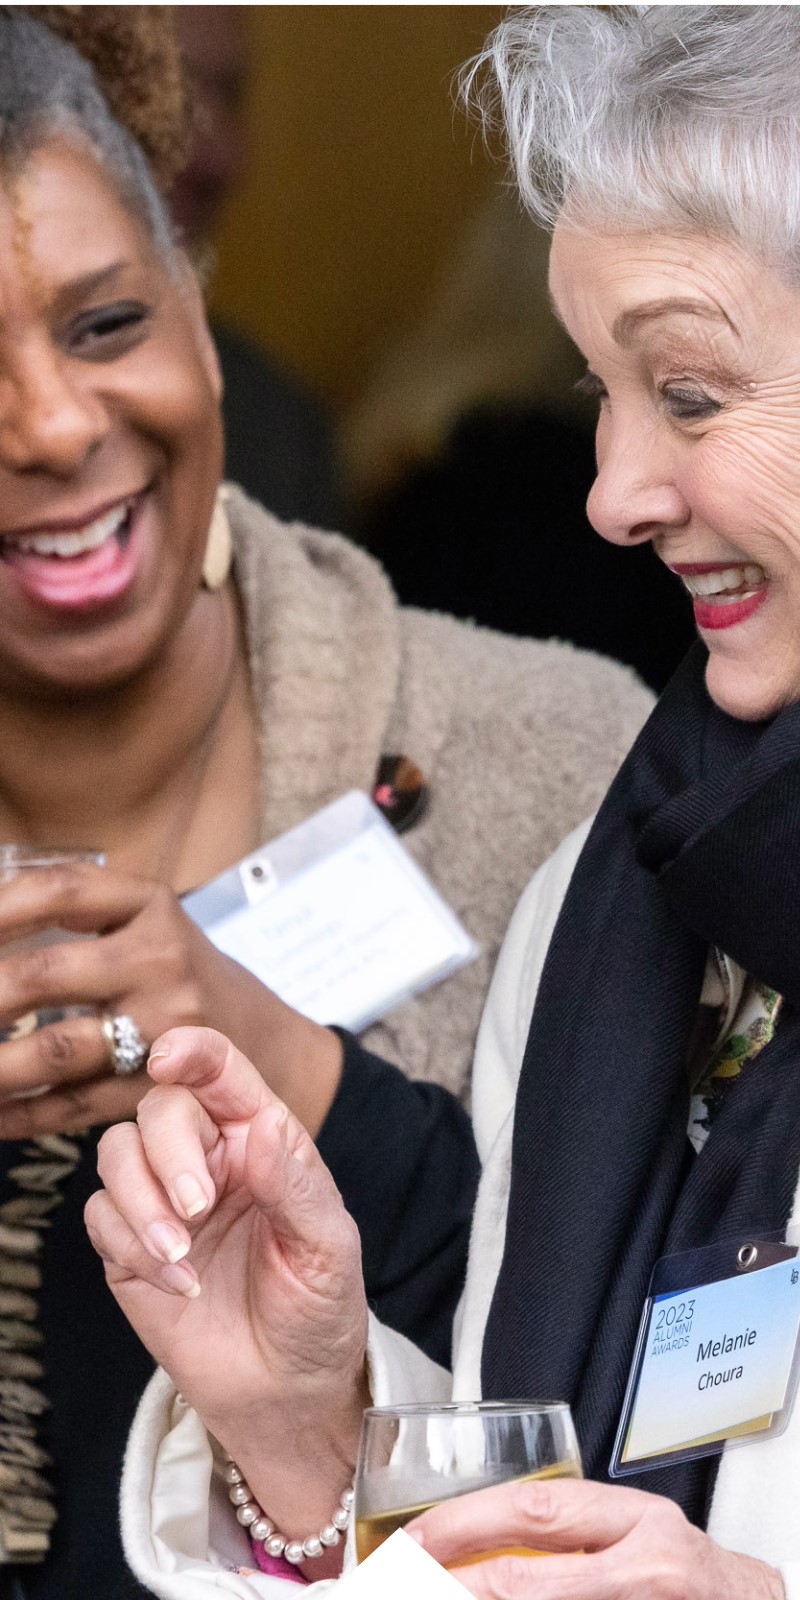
<point x="518" y="740"/>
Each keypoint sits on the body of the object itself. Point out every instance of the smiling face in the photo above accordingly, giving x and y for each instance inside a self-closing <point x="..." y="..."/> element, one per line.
<point x="110" y="438"/>
<point x="693" y="350"/>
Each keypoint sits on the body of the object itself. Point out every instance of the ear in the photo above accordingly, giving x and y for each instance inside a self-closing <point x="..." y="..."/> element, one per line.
<point x="196" y="311"/>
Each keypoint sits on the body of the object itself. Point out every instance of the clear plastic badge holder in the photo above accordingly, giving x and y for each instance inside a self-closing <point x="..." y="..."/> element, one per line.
<point x="717" y="1357"/>
<point x="335" y="917"/>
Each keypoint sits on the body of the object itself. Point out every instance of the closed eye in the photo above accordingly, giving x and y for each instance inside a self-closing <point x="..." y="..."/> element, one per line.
<point x="690" y="405"/>
<point x="108" y="331"/>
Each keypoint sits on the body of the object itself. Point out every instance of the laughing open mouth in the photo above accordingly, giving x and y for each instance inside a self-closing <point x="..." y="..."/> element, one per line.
<point x="77" y="568"/>
<point x="68" y="545"/>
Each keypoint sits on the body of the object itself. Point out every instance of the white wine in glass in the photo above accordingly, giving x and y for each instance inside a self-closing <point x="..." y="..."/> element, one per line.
<point x="412" y="1457"/>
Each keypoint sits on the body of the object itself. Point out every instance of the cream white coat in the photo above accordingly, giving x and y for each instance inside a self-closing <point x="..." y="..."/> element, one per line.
<point x="177" y="1525"/>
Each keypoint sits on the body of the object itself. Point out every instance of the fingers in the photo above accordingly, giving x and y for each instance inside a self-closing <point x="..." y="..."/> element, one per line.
<point x="144" y="951"/>
<point x="72" y="1108"/>
<point x="71" y="972"/>
<point x="176" y="1135"/>
<point x="77" y="896"/>
<point x="509" y="1577"/>
<point x="133" y="1187"/>
<point x="278" y="1162"/>
<point x="158" y="1260"/>
<point x="223" y="1081"/>
<point x="62" y="1052"/>
<point x="559" y="1514"/>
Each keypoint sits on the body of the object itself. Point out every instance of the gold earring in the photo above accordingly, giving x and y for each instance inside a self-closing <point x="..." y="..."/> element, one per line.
<point x="219" y="546"/>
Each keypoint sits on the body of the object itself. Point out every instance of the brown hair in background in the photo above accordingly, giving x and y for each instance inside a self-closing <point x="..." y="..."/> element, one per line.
<point x="135" y="55"/>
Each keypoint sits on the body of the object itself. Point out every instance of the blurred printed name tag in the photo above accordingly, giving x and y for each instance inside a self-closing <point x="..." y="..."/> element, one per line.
<point x="335" y="916"/>
<point x="399" y="1568"/>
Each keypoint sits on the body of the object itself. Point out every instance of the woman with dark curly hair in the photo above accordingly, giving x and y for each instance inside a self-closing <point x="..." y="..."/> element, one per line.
<point x="181" y="679"/>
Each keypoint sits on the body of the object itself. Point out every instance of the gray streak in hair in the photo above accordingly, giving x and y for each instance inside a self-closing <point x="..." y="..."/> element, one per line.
<point x="684" y="118"/>
<point x="47" y="90"/>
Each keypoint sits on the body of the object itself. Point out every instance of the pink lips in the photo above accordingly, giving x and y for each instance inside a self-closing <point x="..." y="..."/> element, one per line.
<point x="78" y="582"/>
<point x="727" y="614"/>
<point x="733" y="611"/>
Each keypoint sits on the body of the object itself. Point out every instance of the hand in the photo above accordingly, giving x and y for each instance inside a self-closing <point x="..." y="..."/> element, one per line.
<point x="607" y="1543"/>
<point x="149" y="962"/>
<point x="264" y="1329"/>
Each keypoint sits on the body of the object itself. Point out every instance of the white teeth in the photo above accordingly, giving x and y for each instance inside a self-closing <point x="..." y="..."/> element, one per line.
<point x="73" y="544"/>
<point x="727" y="580"/>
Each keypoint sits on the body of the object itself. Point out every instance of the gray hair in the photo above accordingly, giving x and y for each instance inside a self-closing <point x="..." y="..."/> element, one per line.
<point x="685" y="117"/>
<point x="46" y="90"/>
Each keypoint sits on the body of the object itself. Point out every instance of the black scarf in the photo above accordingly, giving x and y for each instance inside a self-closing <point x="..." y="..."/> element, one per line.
<point x="697" y="843"/>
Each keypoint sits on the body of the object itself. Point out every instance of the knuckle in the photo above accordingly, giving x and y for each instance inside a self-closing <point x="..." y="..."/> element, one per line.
<point x="351" y="1237"/>
<point x="40" y="970"/>
<point x="665" y="1581"/>
<point x="55" y="1050"/>
<point x="95" y="1221"/>
<point x="156" y="1101"/>
<point x="66" y="880"/>
<point x="534" y="1505"/>
<point x="171" y="955"/>
<point x="189" y="1006"/>
<point x="164" y="906"/>
<point x="672" y="1518"/>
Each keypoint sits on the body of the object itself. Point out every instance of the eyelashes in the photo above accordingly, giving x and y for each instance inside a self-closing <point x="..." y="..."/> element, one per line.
<point x="685" y="404"/>
<point x="109" y="330"/>
<point x="690" y="405"/>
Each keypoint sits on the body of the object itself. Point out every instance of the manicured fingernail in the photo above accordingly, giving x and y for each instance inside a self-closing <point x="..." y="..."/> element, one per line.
<point x="191" y="1198"/>
<point x="168" y="1243"/>
<point x="182" y="1277"/>
<point x="157" y="1055"/>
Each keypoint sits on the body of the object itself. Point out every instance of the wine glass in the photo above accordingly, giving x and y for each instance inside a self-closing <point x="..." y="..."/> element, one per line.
<point x="413" y="1456"/>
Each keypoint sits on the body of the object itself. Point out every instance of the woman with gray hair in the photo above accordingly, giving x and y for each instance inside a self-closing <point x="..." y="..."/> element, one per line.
<point x="632" y="1248"/>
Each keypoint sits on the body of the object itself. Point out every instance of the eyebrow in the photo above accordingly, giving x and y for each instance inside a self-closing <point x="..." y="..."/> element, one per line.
<point x="628" y="322"/>
<point x="89" y="282"/>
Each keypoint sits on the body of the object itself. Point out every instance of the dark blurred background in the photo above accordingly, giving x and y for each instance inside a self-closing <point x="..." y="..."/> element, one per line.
<point x="392" y="366"/>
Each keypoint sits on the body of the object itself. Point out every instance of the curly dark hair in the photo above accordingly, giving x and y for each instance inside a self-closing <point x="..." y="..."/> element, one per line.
<point x="136" y="59"/>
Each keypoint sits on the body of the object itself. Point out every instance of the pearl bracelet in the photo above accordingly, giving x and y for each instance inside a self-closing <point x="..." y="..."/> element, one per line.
<point x="252" y="1517"/>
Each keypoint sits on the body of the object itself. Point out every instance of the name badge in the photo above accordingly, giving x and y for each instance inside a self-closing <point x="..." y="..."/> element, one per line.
<point x="717" y="1354"/>
<point x="335" y="917"/>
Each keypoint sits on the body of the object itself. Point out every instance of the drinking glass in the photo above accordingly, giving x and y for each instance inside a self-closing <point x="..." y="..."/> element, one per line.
<point x="412" y="1457"/>
<point x="15" y="859"/>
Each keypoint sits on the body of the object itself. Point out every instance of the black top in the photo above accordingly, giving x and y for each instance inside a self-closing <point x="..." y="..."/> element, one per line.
<point x="404" y="1158"/>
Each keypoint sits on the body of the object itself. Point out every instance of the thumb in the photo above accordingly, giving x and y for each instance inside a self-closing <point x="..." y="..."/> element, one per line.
<point x="221" y="1079"/>
<point x="291" y="1184"/>
<point x="283" y="1171"/>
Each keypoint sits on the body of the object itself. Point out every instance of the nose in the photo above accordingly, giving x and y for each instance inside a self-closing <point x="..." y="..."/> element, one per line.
<point x="635" y="495"/>
<point x="49" y="421"/>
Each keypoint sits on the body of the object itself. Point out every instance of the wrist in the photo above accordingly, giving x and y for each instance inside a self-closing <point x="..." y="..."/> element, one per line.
<point x="297" y="1461"/>
<point x="748" y="1579"/>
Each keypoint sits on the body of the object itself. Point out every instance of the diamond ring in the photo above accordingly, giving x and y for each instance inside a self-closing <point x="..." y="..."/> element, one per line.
<point x="127" y="1049"/>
